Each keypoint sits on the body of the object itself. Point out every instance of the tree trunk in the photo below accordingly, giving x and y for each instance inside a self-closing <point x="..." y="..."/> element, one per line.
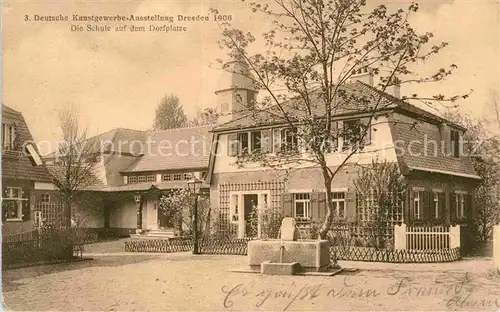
<point x="327" y="223"/>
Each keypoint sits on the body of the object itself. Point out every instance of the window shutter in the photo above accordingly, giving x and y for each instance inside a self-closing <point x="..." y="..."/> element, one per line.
<point x="426" y="205"/>
<point x="468" y="207"/>
<point x="26" y="211"/>
<point x="453" y="207"/>
<point x="232" y="141"/>
<point x="442" y="205"/>
<point x="265" y="141"/>
<point x="276" y="140"/>
<point x="411" y="210"/>
<point x="314" y="202"/>
<point x="321" y="206"/>
<point x="350" y="206"/>
<point x="287" y="204"/>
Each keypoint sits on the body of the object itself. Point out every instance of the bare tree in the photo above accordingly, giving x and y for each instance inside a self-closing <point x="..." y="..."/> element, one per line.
<point x="75" y="160"/>
<point x="313" y="49"/>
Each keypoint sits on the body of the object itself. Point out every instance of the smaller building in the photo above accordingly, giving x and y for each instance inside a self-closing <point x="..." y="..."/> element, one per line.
<point x="133" y="170"/>
<point x="26" y="183"/>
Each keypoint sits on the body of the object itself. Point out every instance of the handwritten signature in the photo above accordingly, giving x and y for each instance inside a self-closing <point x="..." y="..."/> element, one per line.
<point x="457" y="294"/>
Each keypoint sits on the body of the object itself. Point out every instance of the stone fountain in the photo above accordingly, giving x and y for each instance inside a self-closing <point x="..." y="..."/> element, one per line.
<point x="287" y="255"/>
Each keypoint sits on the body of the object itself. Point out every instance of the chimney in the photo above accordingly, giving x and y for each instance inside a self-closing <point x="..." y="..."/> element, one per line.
<point x="394" y="90"/>
<point x="362" y="74"/>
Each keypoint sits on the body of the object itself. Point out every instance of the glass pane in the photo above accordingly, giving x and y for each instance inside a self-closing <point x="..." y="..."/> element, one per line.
<point x="341" y="209"/>
<point x="299" y="209"/>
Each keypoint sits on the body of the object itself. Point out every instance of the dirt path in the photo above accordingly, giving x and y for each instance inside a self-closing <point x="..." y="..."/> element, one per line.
<point x="187" y="282"/>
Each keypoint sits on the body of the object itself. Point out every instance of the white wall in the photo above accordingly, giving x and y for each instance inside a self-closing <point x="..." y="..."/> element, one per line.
<point x="381" y="147"/>
<point x="123" y="215"/>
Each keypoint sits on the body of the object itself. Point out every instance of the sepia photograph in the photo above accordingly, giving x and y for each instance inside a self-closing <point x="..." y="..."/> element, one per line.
<point x="250" y="155"/>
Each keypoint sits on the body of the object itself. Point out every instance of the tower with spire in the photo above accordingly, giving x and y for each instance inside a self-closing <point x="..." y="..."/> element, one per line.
<point x="236" y="92"/>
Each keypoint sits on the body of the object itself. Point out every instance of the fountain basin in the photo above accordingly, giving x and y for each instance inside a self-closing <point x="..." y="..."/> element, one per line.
<point x="273" y="268"/>
<point x="312" y="255"/>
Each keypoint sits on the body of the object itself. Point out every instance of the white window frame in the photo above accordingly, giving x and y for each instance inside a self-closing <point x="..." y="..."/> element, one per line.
<point x="131" y="179"/>
<point x="460" y="204"/>
<point x="187" y="176"/>
<point x="417" y="203"/>
<point x="436" y="204"/>
<point x="306" y="200"/>
<point x="142" y="179"/>
<point x="166" y="177"/>
<point x="151" y="176"/>
<point x="177" y="175"/>
<point x="8" y="136"/>
<point x="336" y="205"/>
<point x="19" y="200"/>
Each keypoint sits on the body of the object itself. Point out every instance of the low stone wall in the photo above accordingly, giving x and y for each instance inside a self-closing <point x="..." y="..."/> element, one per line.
<point x="394" y="256"/>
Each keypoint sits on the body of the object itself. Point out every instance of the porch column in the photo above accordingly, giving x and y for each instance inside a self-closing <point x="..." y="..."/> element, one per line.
<point x="138" y="203"/>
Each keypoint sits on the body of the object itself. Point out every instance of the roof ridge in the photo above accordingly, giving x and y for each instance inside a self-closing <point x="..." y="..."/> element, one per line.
<point x="182" y="128"/>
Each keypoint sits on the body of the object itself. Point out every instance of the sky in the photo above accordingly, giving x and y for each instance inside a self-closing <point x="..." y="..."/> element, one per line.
<point x="118" y="78"/>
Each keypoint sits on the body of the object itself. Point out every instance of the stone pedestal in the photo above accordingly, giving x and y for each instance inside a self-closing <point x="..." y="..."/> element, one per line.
<point x="496" y="246"/>
<point x="312" y="255"/>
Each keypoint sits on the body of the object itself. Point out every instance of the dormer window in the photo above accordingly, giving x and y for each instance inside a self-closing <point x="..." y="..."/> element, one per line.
<point x="455" y="143"/>
<point x="8" y="137"/>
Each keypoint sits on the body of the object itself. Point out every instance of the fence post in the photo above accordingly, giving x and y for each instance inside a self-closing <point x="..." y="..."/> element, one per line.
<point x="400" y="236"/>
<point x="454" y="236"/>
<point x="496" y="246"/>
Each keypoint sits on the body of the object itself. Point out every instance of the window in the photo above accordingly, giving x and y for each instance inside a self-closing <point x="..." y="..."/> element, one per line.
<point x="166" y="177"/>
<point x="436" y="205"/>
<point x="250" y="99"/>
<point x="8" y="136"/>
<point x="338" y="199"/>
<point x="177" y="177"/>
<point x="204" y="175"/>
<point x="132" y="179"/>
<point x="12" y="204"/>
<point x="460" y="205"/>
<point x="187" y="176"/>
<point x="141" y="179"/>
<point x="302" y="205"/>
<point x="352" y="133"/>
<point x="289" y="140"/>
<point x="356" y="133"/>
<point x="151" y="178"/>
<point x="255" y="137"/>
<point x="45" y="197"/>
<point x="455" y="143"/>
<point x="417" y="205"/>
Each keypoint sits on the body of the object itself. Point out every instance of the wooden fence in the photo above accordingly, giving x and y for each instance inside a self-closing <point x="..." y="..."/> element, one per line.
<point x="42" y="245"/>
<point x="426" y="237"/>
<point x="213" y="246"/>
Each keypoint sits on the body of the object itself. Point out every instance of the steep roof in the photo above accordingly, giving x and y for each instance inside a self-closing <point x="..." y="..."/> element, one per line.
<point x="174" y="149"/>
<point x="412" y="139"/>
<point x="90" y="181"/>
<point x="352" y="98"/>
<point x="362" y="100"/>
<point x="17" y="164"/>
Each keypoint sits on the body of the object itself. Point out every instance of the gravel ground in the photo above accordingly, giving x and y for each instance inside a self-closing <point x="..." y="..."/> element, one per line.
<point x="147" y="282"/>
